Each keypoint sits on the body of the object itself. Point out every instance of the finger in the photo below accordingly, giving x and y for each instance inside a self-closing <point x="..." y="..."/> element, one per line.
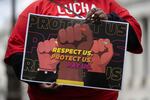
<point x="95" y="48"/>
<point x="46" y="46"/>
<point x="86" y="31"/>
<point x="45" y="85"/>
<point x="56" y="42"/>
<point x="98" y="12"/>
<point x="53" y="85"/>
<point x="106" y="41"/>
<point x="40" y="47"/>
<point x="95" y="59"/>
<point x="110" y="48"/>
<point x="49" y="45"/>
<point x="57" y="86"/>
<point x="107" y="56"/>
<point x="90" y="14"/>
<point x="103" y="17"/>
<point x="88" y="37"/>
<point x="62" y="35"/>
<point x="94" y="13"/>
<point x="101" y="45"/>
<point x="77" y="32"/>
<point x="99" y="15"/>
<point x="53" y="43"/>
<point x="70" y="34"/>
<point x="48" y="85"/>
<point x="108" y="45"/>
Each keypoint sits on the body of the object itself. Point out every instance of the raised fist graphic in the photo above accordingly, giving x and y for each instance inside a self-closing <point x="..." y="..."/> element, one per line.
<point x="46" y="63"/>
<point x="79" y="37"/>
<point x="102" y="53"/>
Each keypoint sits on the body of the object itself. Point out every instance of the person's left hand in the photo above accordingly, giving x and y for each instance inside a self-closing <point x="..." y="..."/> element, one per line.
<point x="96" y="14"/>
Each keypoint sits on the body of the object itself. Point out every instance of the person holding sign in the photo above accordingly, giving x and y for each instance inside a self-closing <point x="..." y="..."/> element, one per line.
<point x="92" y="10"/>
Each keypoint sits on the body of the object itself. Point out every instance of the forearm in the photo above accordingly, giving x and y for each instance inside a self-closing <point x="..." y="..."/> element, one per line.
<point x="15" y="61"/>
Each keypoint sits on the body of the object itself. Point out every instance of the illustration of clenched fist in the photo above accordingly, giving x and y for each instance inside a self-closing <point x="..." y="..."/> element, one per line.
<point x="46" y="63"/>
<point x="102" y="53"/>
<point x="78" y="36"/>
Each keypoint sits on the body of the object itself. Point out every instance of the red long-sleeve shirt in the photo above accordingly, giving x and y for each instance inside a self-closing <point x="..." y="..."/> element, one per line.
<point x="17" y="40"/>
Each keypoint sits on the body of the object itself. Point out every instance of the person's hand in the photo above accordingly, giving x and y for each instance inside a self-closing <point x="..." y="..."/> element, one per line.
<point x="49" y="86"/>
<point x="102" y="53"/>
<point x="46" y="63"/>
<point x="96" y="14"/>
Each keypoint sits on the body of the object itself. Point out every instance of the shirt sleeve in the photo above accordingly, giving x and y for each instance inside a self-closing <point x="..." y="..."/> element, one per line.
<point x="17" y="38"/>
<point x="134" y="36"/>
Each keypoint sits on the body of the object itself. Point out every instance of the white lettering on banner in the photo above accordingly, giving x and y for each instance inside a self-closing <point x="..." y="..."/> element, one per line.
<point x="76" y="7"/>
<point x="70" y="7"/>
<point x="59" y="10"/>
<point x="85" y="7"/>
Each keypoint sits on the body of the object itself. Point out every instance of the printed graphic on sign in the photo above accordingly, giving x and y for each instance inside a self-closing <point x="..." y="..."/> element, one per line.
<point x="74" y="52"/>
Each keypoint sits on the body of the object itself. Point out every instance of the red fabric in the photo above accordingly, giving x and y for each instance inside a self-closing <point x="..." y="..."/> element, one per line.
<point x="124" y="14"/>
<point x="70" y="93"/>
<point x="17" y="38"/>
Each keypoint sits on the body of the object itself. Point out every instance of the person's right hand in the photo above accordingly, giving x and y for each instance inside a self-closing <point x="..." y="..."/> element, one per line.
<point x="49" y="86"/>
